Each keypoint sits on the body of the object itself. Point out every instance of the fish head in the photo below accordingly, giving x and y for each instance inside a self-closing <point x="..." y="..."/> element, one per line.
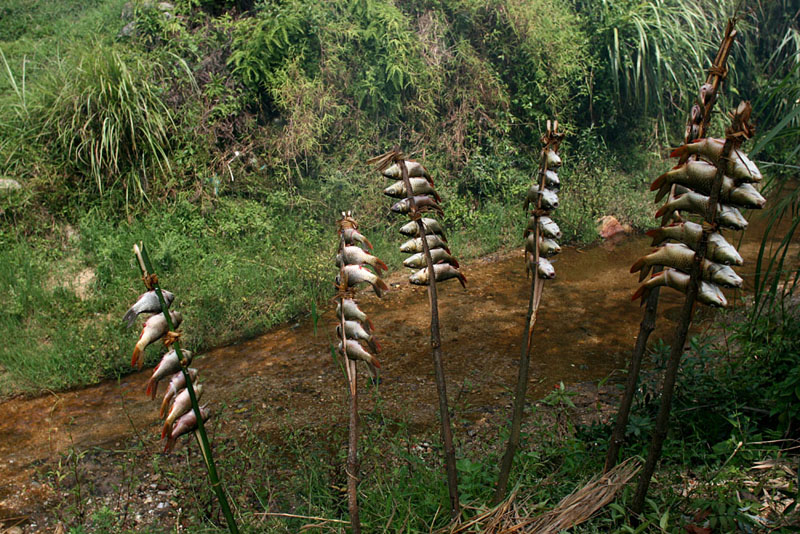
<point x="748" y="196"/>
<point x="394" y="189"/>
<point x="400" y="207"/>
<point x="549" y="199"/>
<point x="711" y="295"/>
<point x="419" y="278"/>
<point x="725" y="275"/>
<point x="546" y="269"/>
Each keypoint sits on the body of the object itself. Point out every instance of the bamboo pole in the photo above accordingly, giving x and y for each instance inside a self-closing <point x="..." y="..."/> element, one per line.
<point x="537" y="286"/>
<point x="716" y="76"/>
<point x="352" y="378"/>
<point x="733" y="139"/>
<point x="436" y="346"/>
<point x="200" y="433"/>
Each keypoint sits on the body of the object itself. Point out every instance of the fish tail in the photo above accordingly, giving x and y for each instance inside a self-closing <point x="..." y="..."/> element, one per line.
<point x="366" y="242"/>
<point x="165" y="429"/>
<point x="371" y="326"/>
<point x="644" y="272"/>
<point x="446" y="248"/>
<point x="129" y="317"/>
<point x="380" y="286"/>
<point x="454" y="262"/>
<point x="637" y="266"/>
<point x="169" y="445"/>
<point x="374" y="361"/>
<point x="643" y="292"/>
<point x="152" y="388"/>
<point x="662" y="210"/>
<point x="662" y="192"/>
<point x="436" y="196"/>
<point x="679" y="152"/>
<point x="463" y="280"/>
<point x="657" y="236"/>
<point x="658" y="182"/>
<point x="380" y="265"/>
<point x="162" y="413"/>
<point x="373" y="344"/>
<point x="137" y="357"/>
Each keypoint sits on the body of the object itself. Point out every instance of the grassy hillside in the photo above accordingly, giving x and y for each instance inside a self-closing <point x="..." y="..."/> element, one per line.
<point x="228" y="135"/>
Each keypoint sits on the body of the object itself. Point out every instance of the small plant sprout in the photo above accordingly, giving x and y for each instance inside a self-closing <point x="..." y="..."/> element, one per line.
<point x="184" y="414"/>
<point x="354" y="326"/>
<point x="414" y="186"/>
<point x="539" y="242"/>
<point x="696" y="127"/>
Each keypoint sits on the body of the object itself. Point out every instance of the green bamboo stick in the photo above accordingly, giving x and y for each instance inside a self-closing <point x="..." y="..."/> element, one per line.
<point x="200" y="432"/>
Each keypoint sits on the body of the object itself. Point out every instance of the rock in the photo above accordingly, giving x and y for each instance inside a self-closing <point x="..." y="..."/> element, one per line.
<point x="128" y="30"/>
<point x="609" y="226"/>
<point x="8" y="183"/>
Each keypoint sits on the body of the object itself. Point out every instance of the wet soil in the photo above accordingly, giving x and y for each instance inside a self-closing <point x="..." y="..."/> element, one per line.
<point x="586" y="328"/>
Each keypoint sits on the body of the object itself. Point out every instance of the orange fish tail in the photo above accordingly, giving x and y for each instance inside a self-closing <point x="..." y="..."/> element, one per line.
<point x="463" y="280"/>
<point x="637" y="266"/>
<point x="375" y="362"/>
<point x="380" y="265"/>
<point x="366" y="242"/>
<point x="679" y="152"/>
<point x="137" y="353"/>
<point x="454" y="263"/>
<point x="658" y="182"/>
<point x="165" y="429"/>
<point x="162" y="413"/>
<point x="152" y="387"/>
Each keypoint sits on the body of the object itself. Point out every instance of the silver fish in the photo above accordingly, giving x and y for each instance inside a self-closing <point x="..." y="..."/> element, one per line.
<point x="415" y="245"/>
<point x="419" y="186"/>
<point x="544" y="269"/>
<point x="356" y="274"/>
<point x="356" y="352"/>
<point x="707" y="293"/>
<point x="689" y="233"/>
<point x="547" y="227"/>
<point x="169" y="365"/>
<point x="421" y="202"/>
<point x="727" y="216"/>
<point x="432" y="226"/>
<point x="553" y="159"/>
<point x="176" y="384"/>
<point x="739" y="166"/>
<point x="415" y="169"/>
<point x="184" y="425"/>
<point x="438" y="255"/>
<point x="147" y="303"/>
<point x="354" y="330"/>
<point x="352" y="312"/>
<point x="353" y="236"/>
<point x="182" y="404"/>
<point x="154" y="329"/>
<point x="549" y="198"/>
<point x="547" y="247"/>
<point x="681" y="257"/>
<point x="551" y="180"/>
<point x="357" y="256"/>
<point x="442" y="271"/>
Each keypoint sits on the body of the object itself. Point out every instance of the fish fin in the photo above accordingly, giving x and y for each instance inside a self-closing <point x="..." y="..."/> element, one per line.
<point x="637" y="266"/>
<point x="463" y="280"/>
<point x="129" y="317"/>
<point x="135" y="359"/>
<point x="152" y="388"/>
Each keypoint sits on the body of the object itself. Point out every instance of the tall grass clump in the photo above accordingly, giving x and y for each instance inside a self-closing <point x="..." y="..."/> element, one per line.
<point x="106" y="113"/>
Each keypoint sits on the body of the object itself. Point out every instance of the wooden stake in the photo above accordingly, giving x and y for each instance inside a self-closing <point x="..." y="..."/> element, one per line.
<point x="551" y="139"/>
<point x="436" y="346"/>
<point x="715" y="79"/>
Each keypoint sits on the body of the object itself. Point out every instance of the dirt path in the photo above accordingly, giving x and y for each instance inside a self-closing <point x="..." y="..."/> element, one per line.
<point x="586" y="329"/>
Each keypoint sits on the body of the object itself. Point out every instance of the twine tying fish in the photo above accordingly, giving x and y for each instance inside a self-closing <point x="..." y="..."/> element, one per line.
<point x="171" y="337"/>
<point x="150" y="281"/>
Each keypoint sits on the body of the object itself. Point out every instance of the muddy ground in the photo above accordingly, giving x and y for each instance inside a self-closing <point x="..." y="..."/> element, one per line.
<point x="585" y="331"/>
